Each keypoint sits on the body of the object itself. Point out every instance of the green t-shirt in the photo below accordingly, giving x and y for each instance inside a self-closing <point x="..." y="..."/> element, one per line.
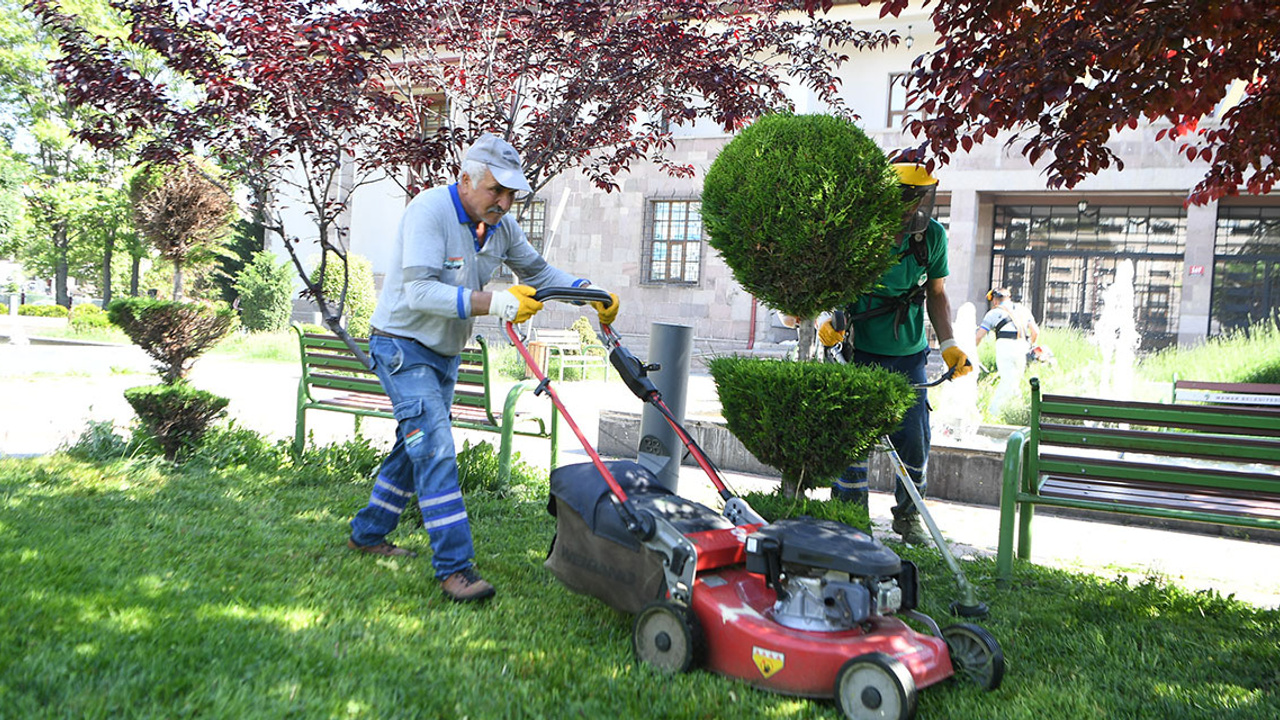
<point x="875" y="334"/>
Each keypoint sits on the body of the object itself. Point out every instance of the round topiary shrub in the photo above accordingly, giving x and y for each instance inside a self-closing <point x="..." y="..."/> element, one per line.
<point x="805" y="210"/>
<point x="809" y="420"/>
<point x="174" y="334"/>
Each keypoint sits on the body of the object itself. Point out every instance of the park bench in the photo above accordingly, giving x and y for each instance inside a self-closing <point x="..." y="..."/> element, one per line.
<point x="334" y="379"/>
<point x="1216" y="393"/>
<point x="567" y="345"/>
<point x="1199" y="463"/>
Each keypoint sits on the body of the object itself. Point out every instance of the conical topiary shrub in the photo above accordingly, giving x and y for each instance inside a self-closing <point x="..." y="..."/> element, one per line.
<point x="174" y="334"/>
<point x="806" y="211"/>
<point x="177" y="415"/>
<point x="809" y="420"/>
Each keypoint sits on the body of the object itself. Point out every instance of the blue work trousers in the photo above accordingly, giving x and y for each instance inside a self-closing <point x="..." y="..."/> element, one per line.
<point x="423" y="461"/>
<point x="911" y="439"/>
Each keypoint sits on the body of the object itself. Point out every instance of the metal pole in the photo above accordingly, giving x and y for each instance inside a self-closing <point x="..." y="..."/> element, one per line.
<point x="660" y="451"/>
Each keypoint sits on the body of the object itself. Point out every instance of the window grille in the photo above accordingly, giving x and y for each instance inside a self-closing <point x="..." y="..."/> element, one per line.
<point x="673" y="242"/>
<point x="1060" y="260"/>
<point x="1246" y="268"/>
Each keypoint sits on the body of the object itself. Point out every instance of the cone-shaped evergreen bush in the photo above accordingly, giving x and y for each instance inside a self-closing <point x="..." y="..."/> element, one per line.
<point x="177" y="415"/>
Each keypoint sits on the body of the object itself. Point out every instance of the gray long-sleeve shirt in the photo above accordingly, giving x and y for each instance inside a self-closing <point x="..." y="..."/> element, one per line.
<point x="437" y="263"/>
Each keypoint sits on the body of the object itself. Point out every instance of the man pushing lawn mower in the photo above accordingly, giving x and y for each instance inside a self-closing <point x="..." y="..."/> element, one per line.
<point x="450" y="241"/>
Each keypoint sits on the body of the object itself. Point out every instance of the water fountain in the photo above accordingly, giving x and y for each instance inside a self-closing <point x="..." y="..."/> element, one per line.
<point x="1116" y="335"/>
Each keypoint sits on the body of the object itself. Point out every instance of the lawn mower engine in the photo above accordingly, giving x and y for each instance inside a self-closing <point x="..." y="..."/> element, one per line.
<point x="828" y="576"/>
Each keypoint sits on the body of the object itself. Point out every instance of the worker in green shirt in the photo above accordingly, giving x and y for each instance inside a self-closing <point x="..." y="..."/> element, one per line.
<point x="886" y="328"/>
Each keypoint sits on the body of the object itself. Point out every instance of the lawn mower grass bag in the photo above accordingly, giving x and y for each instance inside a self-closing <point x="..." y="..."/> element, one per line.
<point x="592" y="553"/>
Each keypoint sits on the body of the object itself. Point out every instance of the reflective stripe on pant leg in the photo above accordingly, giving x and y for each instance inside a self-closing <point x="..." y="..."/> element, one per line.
<point x="392" y="489"/>
<point x="443" y="511"/>
<point x="852" y="484"/>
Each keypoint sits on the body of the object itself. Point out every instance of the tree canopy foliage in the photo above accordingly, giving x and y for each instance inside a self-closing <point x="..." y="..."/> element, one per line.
<point x="182" y="212"/>
<point x="327" y="96"/>
<point x="805" y="209"/>
<point x="1057" y="80"/>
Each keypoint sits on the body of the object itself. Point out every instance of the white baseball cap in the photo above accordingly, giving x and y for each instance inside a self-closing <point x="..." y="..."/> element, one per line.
<point x="501" y="159"/>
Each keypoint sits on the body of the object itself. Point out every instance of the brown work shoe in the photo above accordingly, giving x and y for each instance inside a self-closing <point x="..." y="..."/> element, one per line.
<point x="467" y="586"/>
<point x="384" y="548"/>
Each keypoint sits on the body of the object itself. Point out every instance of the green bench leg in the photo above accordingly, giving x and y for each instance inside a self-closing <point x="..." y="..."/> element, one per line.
<point x="1010" y="484"/>
<point x="508" y="431"/>
<point x="1025" y="512"/>
<point x="300" y="430"/>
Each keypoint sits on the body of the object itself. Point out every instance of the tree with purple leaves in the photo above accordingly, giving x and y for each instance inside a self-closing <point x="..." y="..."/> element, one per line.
<point x="321" y="98"/>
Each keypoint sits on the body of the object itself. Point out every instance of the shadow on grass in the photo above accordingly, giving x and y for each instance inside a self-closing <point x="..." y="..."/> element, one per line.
<point x="141" y="591"/>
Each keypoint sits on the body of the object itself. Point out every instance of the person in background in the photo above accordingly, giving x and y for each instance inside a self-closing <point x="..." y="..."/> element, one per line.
<point x="886" y="328"/>
<point x="450" y="240"/>
<point x="1016" y="333"/>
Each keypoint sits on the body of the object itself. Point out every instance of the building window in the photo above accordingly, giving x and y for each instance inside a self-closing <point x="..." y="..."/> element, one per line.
<point x="1246" y="268"/>
<point x="533" y="220"/>
<point x="900" y="111"/>
<point x="673" y="242"/>
<point x="1061" y="260"/>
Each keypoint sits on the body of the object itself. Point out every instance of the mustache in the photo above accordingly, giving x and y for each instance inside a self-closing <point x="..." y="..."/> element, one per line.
<point x="497" y="209"/>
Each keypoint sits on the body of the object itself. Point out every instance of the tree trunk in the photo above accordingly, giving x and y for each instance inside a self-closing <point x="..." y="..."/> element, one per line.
<point x="60" y="241"/>
<point x="790" y="487"/>
<point x="806" y="334"/>
<point x="177" y="281"/>
<point x="107" y="252"/>
<point x="135" y="270"/>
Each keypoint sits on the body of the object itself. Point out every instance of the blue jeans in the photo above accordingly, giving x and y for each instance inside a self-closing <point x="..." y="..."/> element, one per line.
<point x="422" y="462"/>
<point x="911" y="439"/>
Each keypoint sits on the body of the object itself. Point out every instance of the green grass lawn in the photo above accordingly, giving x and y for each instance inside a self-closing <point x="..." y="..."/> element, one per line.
<point x="224" y="589"/>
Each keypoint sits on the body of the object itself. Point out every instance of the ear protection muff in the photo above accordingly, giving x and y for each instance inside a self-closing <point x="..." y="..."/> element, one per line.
<point x="995" y="293"/>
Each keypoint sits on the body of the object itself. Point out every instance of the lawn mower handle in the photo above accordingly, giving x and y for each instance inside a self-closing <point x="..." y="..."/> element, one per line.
<point x="573" y="294"/>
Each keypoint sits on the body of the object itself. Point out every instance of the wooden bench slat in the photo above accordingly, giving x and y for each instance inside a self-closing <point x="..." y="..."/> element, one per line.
<point x="1239" y="507"/>
<point x="1219" y="446"/>
<point x="1147" y="486"/>
<point x="1249" y="394"/>
<point x="1212" y="477"/>
<point x="355" y="401"/>
<point x="1241" y="420"/>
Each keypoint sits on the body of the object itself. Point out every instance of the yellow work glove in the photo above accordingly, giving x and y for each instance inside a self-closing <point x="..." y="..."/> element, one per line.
<point x="828" y="335"/>
<point x="955" y="359"/>
<point x="607" y="314"/>
<point x="515" y="304"/>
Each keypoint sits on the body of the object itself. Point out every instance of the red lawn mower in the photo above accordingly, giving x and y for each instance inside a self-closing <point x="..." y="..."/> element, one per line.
<point x="800" y="606"/>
